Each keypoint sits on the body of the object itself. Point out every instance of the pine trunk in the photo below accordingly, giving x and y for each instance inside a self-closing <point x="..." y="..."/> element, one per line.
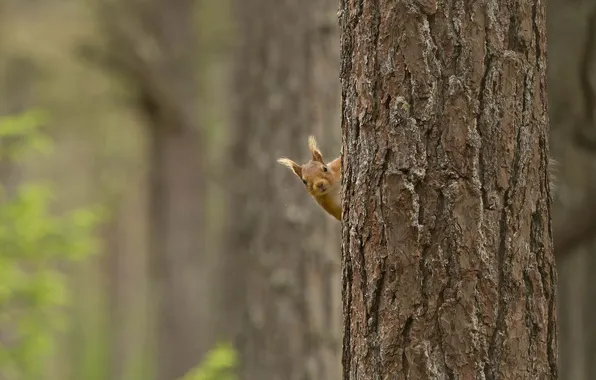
<point x="448" y="265"/>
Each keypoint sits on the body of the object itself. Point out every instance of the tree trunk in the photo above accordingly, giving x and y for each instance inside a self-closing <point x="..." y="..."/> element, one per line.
<point x="175" y="266"/>
<point x="572" y="65"/>
<point x="283" y="254"/>
<point x="153" y="43"/>
<point x="448" y="265"/>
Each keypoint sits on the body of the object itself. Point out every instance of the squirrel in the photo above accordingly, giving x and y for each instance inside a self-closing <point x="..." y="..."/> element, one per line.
<point x="322" y="180"/>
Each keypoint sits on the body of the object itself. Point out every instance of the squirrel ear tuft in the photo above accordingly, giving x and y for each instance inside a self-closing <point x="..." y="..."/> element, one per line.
<point x="297" y="169"/>
<point x="316" y="153"/>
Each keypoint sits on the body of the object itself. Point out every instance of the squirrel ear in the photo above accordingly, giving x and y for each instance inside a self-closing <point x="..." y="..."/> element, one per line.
<point x="297" y="169"/>
<point x="316" y="153"/>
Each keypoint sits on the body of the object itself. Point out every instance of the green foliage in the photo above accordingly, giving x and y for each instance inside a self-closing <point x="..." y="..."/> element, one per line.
<point x="219" y="364"/>
<point x="21" y="135"/>
<point x="33" y="292"/>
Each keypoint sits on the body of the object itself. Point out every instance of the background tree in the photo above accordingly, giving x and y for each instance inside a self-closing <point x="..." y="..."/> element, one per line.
<point x="571" y="84"/>
<point x="447" y="250"/>
<point x="153" y="44"/>
<point x="283" y="255"/>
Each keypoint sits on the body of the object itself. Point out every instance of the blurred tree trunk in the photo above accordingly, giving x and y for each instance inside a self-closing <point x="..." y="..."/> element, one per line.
<point x="448" y="263"/>
<point x="124" y="270"/>
<point x="323" y="290"/>
<point x="283" y="250"/>
<point x="115" y="264"/>
<point x="154" y="45"/>
<point x="572" y="86"/>
<point x="175" y="266"/>
<point x="17" y="94"/>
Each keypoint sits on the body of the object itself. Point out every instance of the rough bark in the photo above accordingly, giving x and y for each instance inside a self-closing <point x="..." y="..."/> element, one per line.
<point x="448" y="264"/>
<point x="153" y="45"/>
<point x="283" y="250"/>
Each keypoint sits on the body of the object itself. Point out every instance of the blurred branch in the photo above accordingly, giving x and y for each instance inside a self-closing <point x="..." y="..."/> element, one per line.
<point x="136" y="54"/>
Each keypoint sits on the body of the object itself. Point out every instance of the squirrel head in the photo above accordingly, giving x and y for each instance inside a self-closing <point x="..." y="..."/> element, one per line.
<point x="315" y="174"/>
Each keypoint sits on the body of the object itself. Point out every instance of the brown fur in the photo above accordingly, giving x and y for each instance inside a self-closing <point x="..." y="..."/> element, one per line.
<point x="323" y="185"/>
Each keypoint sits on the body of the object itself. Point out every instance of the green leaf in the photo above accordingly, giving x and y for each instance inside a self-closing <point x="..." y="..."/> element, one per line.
<point x="32" y="240"/>
<point x="219" y="364"/>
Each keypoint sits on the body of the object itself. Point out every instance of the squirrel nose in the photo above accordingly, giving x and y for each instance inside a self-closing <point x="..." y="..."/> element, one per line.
<point x="320" y="185"/>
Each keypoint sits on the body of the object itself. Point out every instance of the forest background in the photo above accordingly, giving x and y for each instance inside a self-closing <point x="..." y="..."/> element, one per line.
<point x="133" y="132"/>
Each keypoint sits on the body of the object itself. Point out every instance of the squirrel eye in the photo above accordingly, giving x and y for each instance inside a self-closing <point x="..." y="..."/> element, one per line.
<point x="304" y="181"/>
<point x="324" y="168"/>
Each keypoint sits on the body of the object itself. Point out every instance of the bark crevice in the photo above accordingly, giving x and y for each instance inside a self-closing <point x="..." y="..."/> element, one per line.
<point x="449" y="122"/>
